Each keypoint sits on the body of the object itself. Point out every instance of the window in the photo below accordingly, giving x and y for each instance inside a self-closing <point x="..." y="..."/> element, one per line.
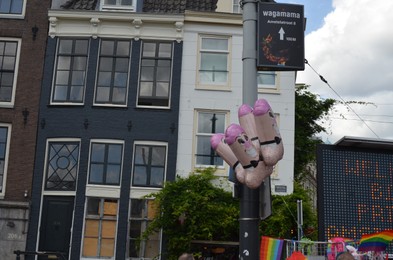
<point x="142" y="212"/>
<point x="214" y="67"/>
<point x="12" y="8"/>
<point x="113" y="70"/>
<point x="4" y="152"/>
<point x="155" y="74"/>
<point x="62" y="166"/>
<point x="236" y="6"/>
<point x="9" y="60"/>
<point x="149" y="164"/>
<point x="105" y="163"/>
<point x="119" y="5"/>
<point x="100" y="227"/>
<point x="208" y="123"/>
<point x="70" y="75"/>
<point x="267" y="81"/>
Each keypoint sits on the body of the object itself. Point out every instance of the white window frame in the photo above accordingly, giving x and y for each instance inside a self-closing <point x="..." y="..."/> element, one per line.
<point x="214" y="86"/>
<point x="118" y="6"/>
<point x="10" y="104"/>
<point x="6" y="158"/>
<point x="236" y="5"/>
<point x="104" y="190"/>
<point x="145" y="218"/>
<point x="221" y="169"/>
<point x="101" y="197"/>
<point x="55" y="70"/>
<point x="59" y="140"/>
<point x="16" y="16"/>
<point x="267" y="88"/>
<point x="148" y="143"/>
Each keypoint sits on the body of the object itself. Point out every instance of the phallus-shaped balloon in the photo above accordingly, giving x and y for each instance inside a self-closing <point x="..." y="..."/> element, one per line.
<point x="272" y="148"/>
<point x="247" y="154"/>
<point x="222" y="149"/>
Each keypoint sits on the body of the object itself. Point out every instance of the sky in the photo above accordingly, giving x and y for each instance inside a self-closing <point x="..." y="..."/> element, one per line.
<point x="350" y="44"/>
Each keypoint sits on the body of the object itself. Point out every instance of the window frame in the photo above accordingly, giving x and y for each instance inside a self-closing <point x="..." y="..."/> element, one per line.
<point x="269" y="88"/>
<point x="226" y="86"/>
<point x="106" y="142"/>
<point x="154" y="81"/>
<point x="20" y="15"/>
<point x="6" y="158"/>
<point x="145" y="220"/>
<point x="73" y="55"/>
<point x="111" y="103"/>
<point x="150" y="144"/>
<point x="47" y="156"/>
<point x="9" y="104"/>
<point x="223" y="168"/>
<point x="118" y="6"/>
<point x="236" y="6"/>
<point x="101" y="218"/>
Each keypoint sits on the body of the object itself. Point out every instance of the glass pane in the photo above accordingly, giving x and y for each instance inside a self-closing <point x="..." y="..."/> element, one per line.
<point x="158" y="156"/>
<point x="10" y="48"/>
<point x="5" y="6"/>
<point x="107" y="247"/>
<point x="214" y="61"/>
<point x="98" y="152"/>
<point x="165" y="50"/>
<point x="123" y="48"/>
<point x="122" y="64"/>
<point x="63" y="62"/>
<point x="79" y="63"/>
<point x="114" y="153"/>
<point x="148" y="63"/>
<point x="141" y="154"/>
<point x="96" y="173"/>
<point x="136" y="209"/>
<point x="266" y="78"/>
<point x="152" y="248"/>
<point x="78" y="78"/>
<point x="213" y="77"/>
<point x="103" y="94"/>
<point x="65" y="46"/>
<point x="146" y="89"/>
<point x="93" y="206"/>
<point x="149" y="49"/>
<point x="215" y="44"/>
<point x="110" y="2"/>
<point x="157" y="176"/>
<point x="5" y="94"/>
<point x="108" y="229"/>
<point x="90" y="246"/>
<point x="120" y="79"/>
<point x="81" y="46"/>
<point x="3" y="134"/>
<point x="211" y="123"/>
<point x="163" y="73"/>
<point x="62" y="77"/>
<point x="126" y="2"/>
<point x="7" y="79"/>
<point x="92" y="228"/>
<point x="60" y="93"/>
<point x="140" y="175"/>
<point x="106" y="64"/>
<point x="76" y="93"/>
<point x="162" y="89"/>
<point x="119" y="95"/>
<point x="147" y="73"/>
<point x="107" y="47"/>
<point x="113" y="174"/>
<point x="104" y="78"/>
<point x="9" y="63"/>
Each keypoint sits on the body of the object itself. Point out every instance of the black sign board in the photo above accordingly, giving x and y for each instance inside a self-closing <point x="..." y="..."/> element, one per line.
<point x="355" y="191"/>
<point x="280" y="41"/>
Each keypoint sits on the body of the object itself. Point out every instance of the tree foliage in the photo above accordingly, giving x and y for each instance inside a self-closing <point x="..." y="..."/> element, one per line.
<point x="310" y="111"/>
<point x="193" y="208"/>
<point x="283" y="221"/>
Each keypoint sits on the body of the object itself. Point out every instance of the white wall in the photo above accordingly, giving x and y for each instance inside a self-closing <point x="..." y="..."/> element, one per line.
<point x="192" y="98"/>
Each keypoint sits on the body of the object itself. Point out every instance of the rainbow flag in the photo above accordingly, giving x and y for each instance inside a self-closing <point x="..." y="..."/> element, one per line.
<point x="376" y="241"/>
<point x="271" y="248"/>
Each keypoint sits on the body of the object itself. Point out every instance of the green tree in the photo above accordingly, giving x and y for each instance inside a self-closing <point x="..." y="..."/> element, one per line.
<point x="310" y="112"/>
<point x="193" y="208"/>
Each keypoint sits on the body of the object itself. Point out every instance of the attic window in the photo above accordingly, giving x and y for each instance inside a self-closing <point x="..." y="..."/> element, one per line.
<point x="118" y="5"/>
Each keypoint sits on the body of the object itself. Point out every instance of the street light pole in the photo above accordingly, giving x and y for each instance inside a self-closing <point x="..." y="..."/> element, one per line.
<point x="249" y="198"/>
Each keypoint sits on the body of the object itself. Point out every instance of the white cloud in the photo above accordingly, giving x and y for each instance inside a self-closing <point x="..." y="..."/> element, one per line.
<point x="353" y="51"/>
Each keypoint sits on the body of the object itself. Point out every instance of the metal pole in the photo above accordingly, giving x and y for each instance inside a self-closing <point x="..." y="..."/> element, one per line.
<point x="249" y="198"/>
<point x="299" y="219"/>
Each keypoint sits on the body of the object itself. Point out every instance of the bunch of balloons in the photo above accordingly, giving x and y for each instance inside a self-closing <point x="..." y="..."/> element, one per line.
<point x="253" y="146"/>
